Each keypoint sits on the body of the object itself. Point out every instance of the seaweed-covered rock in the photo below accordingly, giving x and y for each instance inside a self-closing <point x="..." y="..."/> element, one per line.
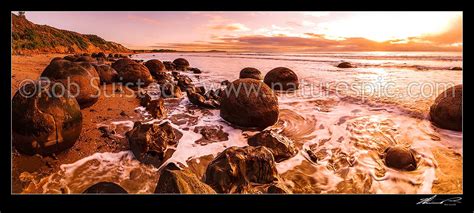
<point x="44" y="123"/>
<point x="281" y="147"/>
<point x="174" y="180"/>
<point x="253" y="105"/>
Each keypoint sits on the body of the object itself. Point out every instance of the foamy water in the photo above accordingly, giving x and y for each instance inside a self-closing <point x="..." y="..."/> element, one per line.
<point x="349" y="130"/>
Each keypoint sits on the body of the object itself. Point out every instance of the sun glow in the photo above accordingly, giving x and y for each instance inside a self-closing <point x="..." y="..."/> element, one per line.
<point x="388" y="25"/>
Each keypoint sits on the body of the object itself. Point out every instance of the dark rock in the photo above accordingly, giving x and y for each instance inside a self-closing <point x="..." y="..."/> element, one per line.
<point x="253" y="105"/>
<point x="85" y="59"/>
<point x="211" y="134"/>
<point x="195" y="70"/>
<point x="155" y="66"/>
<point x="281" y="147"/>
<point x="106" y="132"/>
<point x="149" y="142"/>
<point x="163" y="78"/>
<point x="101" y="55"/>
<point x="86" y="54"/>
<point x="55" y="58"/>
<point x="174" y="180"/>
<point x="105" y="188"/>
<point x="94" y="55"/>
<point x="70" y="58"/>
<point x="345" y="65"/>
<point x="44" y="124"/>
<point x="110" y="55"/>
<point x="281" y="78"/>
<point x="156" y="108"/>
<point x="446" y="111"/>
<point x="225" y="83"/>
<point x="170" y="90"/>
<point x="116" y="55"/>
<point x="250" y="72"/>
<point x="81" y="79"/>
<point x="144" y="97"/>
<point x="169" y="65"/>
<point x="106" y="73"/>
<point x="213" y="94"/>
<point x="184" y="82"/>
<point x="122" y="113"/>
<point x="456" y="68"/>
<point x="181" y="64"/>
<point x="236" y="168"/>
<point x="400" y="158"/>
<point x="200" y="100"/>
<point x="201" y="90"/>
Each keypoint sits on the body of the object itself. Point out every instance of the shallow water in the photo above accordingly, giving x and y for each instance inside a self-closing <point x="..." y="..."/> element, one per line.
<point x="347" y="129"/>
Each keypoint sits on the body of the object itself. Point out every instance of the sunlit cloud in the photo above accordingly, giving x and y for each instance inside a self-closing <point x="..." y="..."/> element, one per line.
<point x="230" y="27"/>
<point x="316" y="14"/>
<point x="144" y="19"/>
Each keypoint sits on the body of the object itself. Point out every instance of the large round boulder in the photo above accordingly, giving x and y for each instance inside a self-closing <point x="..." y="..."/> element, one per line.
<point x="85" y="58"/>
<point x="281" y="78"/>
<point x="181" y="64"/>
<point x="236" y="169"/>
<point x="250" y="72"/>
<point x="107" y="74"/>
<point x="399" y="157"/>
<point x="119" y="64"/>
<point x="174" y="180"/>
<point x="345" y="65"/>
<point x="446" y="111"/>
<point x="155" y="66"/>
<point x="81" y="79"/>
<point x="105" y="188"/>
<point x="135" y="74"/>
<point x="249" y="103"/>
<point x="45" y="118"/>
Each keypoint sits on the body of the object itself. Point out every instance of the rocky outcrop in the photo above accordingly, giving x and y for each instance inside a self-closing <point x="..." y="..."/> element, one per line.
<point x="281" y="147"/>
<point x="174" y="180"/>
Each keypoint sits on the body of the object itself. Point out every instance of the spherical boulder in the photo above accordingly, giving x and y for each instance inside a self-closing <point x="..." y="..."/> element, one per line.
<point x="250" y="72"/>
<point x="85" y="59"/>
<point x="46" y="119"/>
<point x="345" y="65"/>
<point x="446" y="111"/>
<point x="399" y="157"/>
<point x="107" y="74"/>
<point x="181" y="63"/>
<point x="105" y="188"/>
<point x="155" y="66"/>
<point x="119" y="64"/>
<point x="249" y="103"/>
<point x="81" y="79"/>
<point x="135" y="74"/>
<point x="281" y="78"/>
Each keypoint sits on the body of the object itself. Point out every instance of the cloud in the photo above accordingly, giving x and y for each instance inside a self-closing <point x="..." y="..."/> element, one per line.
<point x="144" y="19"/>
<point x="316" y="14"/>
<point x="230" y="27"/>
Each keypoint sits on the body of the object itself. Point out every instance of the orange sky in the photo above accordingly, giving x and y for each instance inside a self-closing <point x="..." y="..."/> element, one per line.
<point x="268" y="31"/>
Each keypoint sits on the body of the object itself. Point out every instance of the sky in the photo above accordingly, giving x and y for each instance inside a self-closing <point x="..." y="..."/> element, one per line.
<point x="267" y="31"/>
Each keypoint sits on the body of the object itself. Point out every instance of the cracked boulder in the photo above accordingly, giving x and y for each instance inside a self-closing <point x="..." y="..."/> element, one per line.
<point x="149" y="142"/>
<point x="281" y="147"/>
<point x="240" y="169"/>
<point x="44" y="123"/>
